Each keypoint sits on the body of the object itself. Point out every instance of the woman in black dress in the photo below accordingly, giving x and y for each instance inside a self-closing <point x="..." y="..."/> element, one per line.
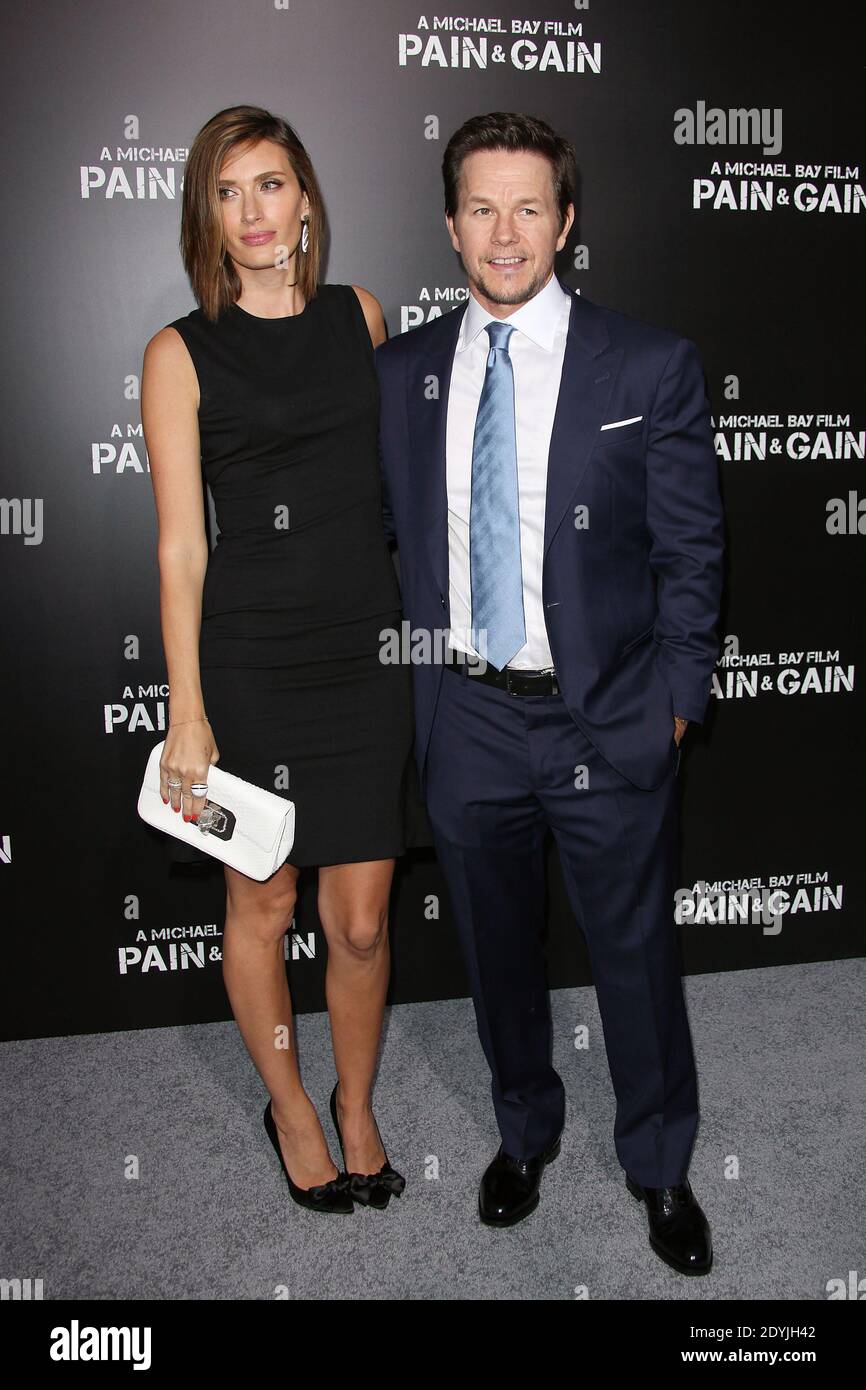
<point x="272" y="642"/>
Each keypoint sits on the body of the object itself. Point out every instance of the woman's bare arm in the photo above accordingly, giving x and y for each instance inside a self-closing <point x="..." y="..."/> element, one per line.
<point x="169" y="416"/>
<point x="373" y="315"/>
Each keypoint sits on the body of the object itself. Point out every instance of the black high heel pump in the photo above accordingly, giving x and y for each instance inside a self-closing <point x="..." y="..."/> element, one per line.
<point x="370" y="1189"/>
<point x="330" y="1196"/>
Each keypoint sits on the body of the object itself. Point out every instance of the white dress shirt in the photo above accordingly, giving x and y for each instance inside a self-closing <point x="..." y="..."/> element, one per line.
<point x="537" y="350"/>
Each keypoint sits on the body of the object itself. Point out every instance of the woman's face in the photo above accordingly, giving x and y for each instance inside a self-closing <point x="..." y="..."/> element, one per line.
<point x="262" y="206"/>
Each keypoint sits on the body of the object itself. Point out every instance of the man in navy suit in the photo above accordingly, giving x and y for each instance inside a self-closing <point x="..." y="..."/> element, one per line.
<point x="550" y="478"/>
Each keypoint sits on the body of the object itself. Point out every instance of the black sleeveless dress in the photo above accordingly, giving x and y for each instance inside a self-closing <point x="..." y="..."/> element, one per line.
<point x="300" y="583"/>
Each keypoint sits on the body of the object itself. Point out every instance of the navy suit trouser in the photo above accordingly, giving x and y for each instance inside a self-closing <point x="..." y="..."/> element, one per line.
<point x="502" y="769"/>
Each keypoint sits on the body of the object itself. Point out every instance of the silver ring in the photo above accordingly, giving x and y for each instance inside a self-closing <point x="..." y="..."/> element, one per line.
<point x="199" y="788"/>
<point x="172" y="782"/>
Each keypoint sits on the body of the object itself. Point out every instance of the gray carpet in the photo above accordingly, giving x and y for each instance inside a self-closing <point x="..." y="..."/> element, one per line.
<point x="782" y="1092"/>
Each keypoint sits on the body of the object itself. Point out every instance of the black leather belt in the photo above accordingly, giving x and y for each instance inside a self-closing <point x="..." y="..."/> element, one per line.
<point x="513" y="681"/>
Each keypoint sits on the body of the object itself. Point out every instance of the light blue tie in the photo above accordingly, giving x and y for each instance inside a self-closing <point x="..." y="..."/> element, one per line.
<point x="496" y="579"/>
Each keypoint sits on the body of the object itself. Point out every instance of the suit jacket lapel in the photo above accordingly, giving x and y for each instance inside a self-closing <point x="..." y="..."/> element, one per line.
<point x="589" y="371"/>
<point x="429" y="380"/>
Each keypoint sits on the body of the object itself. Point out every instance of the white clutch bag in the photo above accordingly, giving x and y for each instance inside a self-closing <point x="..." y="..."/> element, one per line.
<point x="246" y="826"/>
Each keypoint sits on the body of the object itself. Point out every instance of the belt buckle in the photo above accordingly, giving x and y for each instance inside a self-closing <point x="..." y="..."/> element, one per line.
<point x="530" y="676"/>
<point x="513" y="676"/>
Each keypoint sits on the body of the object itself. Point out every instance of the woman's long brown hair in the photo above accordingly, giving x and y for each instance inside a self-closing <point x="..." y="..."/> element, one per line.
<point x="214" y="280"/>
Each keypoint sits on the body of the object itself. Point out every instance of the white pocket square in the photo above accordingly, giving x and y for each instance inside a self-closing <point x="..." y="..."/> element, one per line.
<point x="615" y="424"/>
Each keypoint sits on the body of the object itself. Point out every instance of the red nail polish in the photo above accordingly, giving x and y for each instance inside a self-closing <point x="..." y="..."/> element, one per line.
<point x="186" y="817"/>
<point x="194" y="819"/>
<point x="165" y="800"/>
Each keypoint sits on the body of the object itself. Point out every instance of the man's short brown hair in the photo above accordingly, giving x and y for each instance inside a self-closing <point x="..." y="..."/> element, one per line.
<point x="509" y="130"/>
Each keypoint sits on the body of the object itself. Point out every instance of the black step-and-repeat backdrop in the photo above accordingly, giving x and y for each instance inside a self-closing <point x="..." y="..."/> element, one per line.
<point x="721" y="196"/>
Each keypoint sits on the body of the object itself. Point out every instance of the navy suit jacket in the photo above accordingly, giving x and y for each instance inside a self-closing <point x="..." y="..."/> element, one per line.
<point x="633" y="534"/>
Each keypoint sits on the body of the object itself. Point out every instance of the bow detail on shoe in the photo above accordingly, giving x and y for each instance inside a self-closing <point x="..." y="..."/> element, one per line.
<point x="337" y="1184"/>
<point x="362" y="1186"/>
<point x="370" y="1189"/>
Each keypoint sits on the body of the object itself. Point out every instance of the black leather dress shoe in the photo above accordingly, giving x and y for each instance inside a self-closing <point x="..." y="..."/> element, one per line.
<point x="509" y="1188"/>
<point x="679" y="1232"/>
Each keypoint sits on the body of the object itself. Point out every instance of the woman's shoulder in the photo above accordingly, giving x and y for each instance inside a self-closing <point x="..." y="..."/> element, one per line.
<point x="329" y="288"/>
<point x="195" y="331"/>
<point x="348" y="294"/>
<point x="191" y="323"/>
<point x="169" y="362"/>
<point x="172" y="337"/>
<point x="182" y="346"/>
<point x="362" y="307"/>
<point x="186" y="326"/>
<point x="194" y="314"/>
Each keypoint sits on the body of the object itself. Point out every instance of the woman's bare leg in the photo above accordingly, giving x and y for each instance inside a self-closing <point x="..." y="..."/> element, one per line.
<point x="353" y="910"/>
<point x="258" y="915"/>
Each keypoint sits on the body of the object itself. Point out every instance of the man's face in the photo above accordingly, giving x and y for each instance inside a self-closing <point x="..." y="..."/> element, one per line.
<point x="507" y="226"/>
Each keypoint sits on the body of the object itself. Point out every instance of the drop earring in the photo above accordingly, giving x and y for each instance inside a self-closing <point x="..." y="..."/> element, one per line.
<point x="305" y="234"/>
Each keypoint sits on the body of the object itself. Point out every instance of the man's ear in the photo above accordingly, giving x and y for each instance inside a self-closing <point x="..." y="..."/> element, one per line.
<point x="449" y="223"/>
<point x="566" y="227"/>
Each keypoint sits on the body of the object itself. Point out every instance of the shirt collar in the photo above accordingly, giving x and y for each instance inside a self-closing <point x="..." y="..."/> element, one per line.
<point x="539" y="319"/>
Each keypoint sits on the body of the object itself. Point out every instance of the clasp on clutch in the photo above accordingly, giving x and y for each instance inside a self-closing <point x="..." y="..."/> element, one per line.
<point x="216" y="820"/>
